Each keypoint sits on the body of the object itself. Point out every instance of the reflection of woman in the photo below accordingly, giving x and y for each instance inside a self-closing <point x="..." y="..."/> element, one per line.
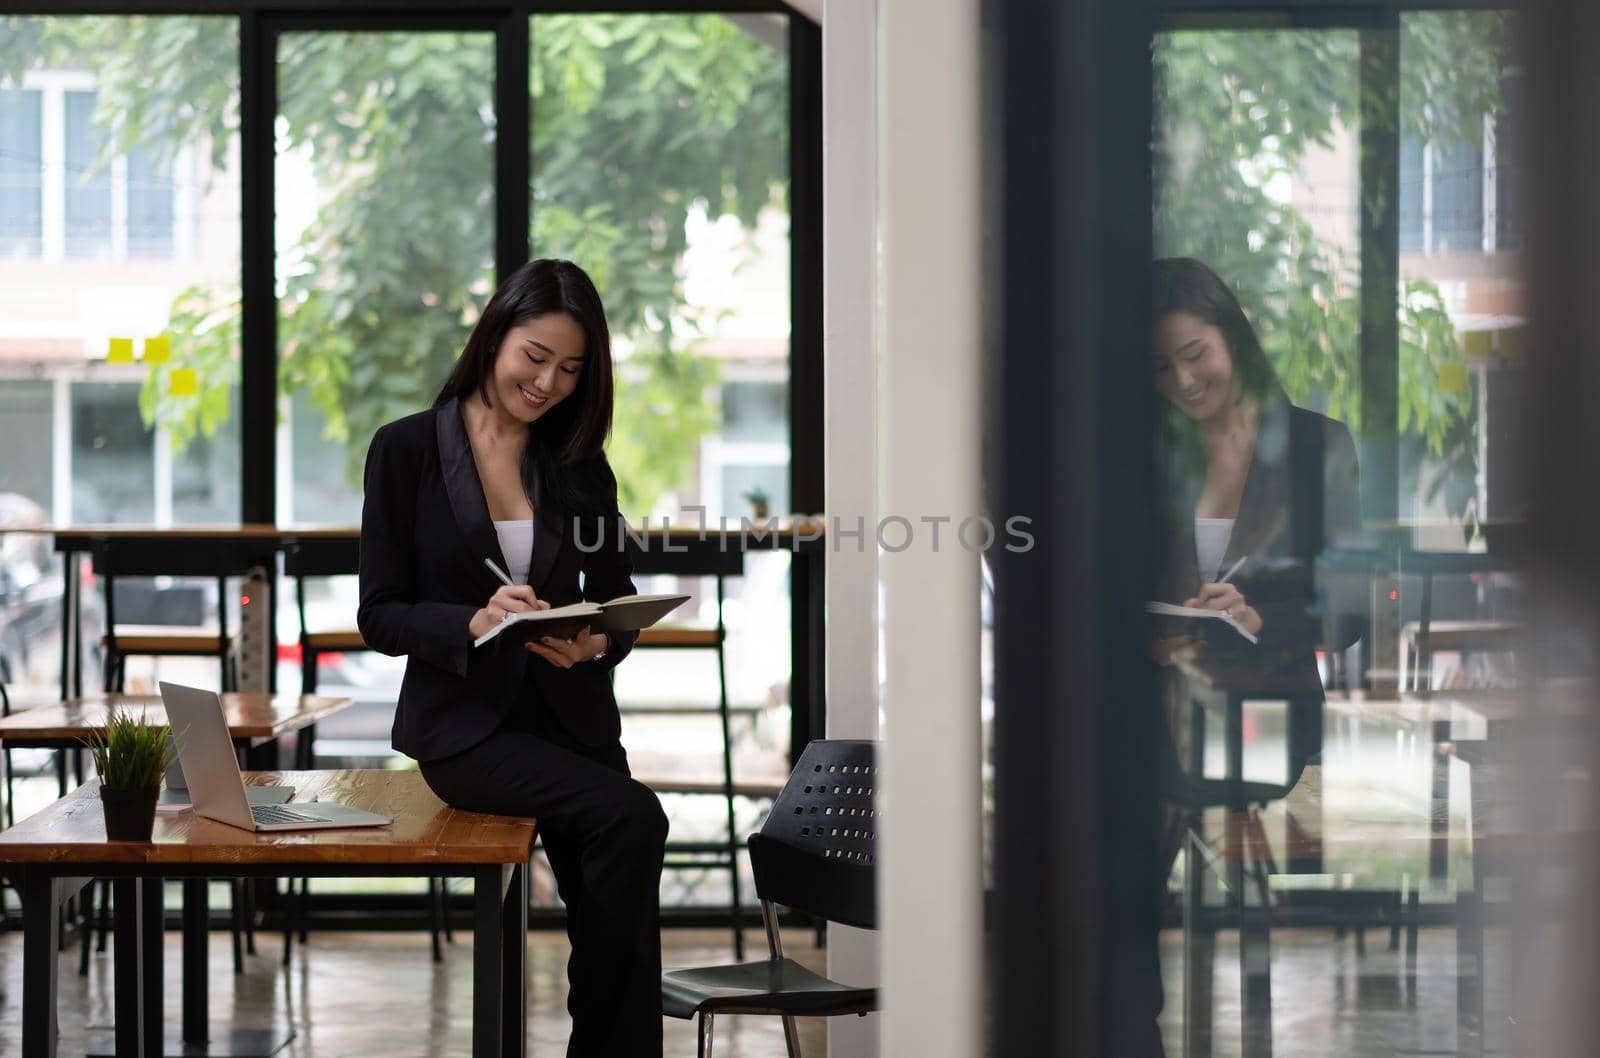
<point x="1257" y="487"/>
<point x="508" y="466"/>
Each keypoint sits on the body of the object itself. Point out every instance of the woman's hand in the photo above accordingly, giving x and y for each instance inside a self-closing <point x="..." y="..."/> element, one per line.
<point x="1227" y="598"/>
<point x="565" y="653"/>
<point x="511" y="599"/>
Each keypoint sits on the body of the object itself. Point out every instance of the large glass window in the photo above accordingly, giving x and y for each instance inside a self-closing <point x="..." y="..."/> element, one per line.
<point x="385" y="234"/>
<point x="660" y="163"/>
<point x="1323" y="473"/>
<point x="119" y="286"/>
<point x="21" y="171"/>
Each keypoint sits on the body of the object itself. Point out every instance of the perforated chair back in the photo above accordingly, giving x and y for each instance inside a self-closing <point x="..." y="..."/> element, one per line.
<point x="817" y="851"/>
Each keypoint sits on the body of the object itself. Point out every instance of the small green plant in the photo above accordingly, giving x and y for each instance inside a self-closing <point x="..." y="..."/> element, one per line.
<point x="130" y="754"/>
<point x="757" y="498"/>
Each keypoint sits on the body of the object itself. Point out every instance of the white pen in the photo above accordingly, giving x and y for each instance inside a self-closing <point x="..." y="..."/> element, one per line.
<point x="505" y="578"/>
<point x="1231" y="569"/>
<point x="505" y="615"/>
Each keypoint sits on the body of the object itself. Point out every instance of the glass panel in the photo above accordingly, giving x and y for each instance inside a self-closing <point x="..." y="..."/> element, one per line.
<point x="1329" y="734"/>
<point x="384" y="251"/>
<point x="1465" y="288"/>
<point x="21" y="172"/>
<point x="87" y="179"/>
<point x="151" y="194"/>
<point x="118" y="140"/>
<point x="385" y="235"/>
<point x="660" y="165"/>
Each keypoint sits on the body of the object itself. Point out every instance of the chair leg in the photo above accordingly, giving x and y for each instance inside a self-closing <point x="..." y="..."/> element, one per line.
<point x="103" y="922"/>
<point x="736" y="912"/>
<point x="11" y="800"/>
<point x="703" y="1050"/>
<point x="249" y="892"/>
<point x="236" y="915"/>
<point x="435" y="916"/>
<point x="305" y="910"/>
<point x="288" y="924"/>
<point x="85" y="928"/>
<point x="791" y="1036"/>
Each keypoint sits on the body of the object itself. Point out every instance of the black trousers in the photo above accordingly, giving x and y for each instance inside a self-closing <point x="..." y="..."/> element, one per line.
<point x="605" y="835"/>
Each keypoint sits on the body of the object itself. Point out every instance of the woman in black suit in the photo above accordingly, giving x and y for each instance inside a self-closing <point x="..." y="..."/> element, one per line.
<point x="507" y="465"/>
<point x="1256" y="489"/>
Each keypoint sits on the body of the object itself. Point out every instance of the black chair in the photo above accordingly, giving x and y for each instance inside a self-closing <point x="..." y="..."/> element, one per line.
<point x="815" y="853"/>
<point x="154" y="622"/>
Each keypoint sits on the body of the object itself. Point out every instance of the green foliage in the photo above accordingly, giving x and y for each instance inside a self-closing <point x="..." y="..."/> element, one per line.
<point x="1237" y="114"/>
<point x="635" y="120"/>
<point x="130" y="754"/>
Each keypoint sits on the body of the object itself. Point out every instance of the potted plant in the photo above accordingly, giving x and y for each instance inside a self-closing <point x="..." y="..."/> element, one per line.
<point x="131" y="756"/>
<point x="757" y="498"/>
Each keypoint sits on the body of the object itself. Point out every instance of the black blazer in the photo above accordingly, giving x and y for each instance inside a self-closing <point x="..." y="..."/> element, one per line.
<point x="1301" y="496"/>
<point x="425" y="531"/>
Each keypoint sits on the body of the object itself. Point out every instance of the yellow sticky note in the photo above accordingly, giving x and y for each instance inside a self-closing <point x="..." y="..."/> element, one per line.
<point x="1453" y="377"/>
<point x="121" y="351"/>
<point x="157" y="350"/>
<point x="183" y="382"/>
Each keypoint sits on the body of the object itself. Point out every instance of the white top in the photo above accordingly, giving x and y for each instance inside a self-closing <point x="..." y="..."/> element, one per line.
<point x="1211" y="544"/>
<point x="516" y="543"/>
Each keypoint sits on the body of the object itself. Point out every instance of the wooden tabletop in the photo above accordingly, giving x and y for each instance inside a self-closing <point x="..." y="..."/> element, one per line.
<point x="425" y="830"/>
<point x="249" y="715"/>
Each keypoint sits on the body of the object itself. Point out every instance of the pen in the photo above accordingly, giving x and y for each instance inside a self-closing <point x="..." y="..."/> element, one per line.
<point x="1231" y="569"/>
<point x="505" y="578"/>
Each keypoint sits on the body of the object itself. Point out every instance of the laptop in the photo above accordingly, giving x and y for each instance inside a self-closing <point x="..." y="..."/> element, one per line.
<point x="175" y="790"/>
<point x="213" y="776"/>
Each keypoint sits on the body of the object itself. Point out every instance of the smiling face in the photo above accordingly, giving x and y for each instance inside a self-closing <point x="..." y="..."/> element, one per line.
<point x="1193" y="365"/>
<point x="538" y="366"/>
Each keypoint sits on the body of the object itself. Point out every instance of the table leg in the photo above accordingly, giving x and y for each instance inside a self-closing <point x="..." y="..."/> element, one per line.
<point x="488" y="961"/>
<point x="514" y="964"/>
<point x="153" y="987"/>
<point x="127" y="981"/>
<point x="196" y="964"/>
<point x="41" y="915"/>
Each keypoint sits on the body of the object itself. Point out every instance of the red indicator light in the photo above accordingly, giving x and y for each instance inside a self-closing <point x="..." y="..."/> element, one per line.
<point x="1394" y="596"/>
<point x="244" y="600"/>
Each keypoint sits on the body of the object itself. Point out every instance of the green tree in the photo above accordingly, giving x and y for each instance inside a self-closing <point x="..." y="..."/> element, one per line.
<point x="635" y="120"/>
<point x="1237" y="113"/>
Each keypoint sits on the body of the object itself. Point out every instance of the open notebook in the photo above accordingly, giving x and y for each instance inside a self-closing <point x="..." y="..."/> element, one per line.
<point x="626" y="613"/>
<point x="1167" y="609"/>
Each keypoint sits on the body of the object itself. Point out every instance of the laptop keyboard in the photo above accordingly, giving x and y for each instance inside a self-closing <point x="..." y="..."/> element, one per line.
<point x="270" y="814"/>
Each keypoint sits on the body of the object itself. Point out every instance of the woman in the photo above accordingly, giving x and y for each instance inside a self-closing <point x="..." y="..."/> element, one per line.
<point x="1257" y="488"/>
<point x="507" y="466"/>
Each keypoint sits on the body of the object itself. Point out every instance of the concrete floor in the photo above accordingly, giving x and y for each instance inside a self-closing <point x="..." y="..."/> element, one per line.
<point x="353" y="995"/>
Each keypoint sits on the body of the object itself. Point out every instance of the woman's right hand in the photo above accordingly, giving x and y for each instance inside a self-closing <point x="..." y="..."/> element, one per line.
<point x="511" y="599"/>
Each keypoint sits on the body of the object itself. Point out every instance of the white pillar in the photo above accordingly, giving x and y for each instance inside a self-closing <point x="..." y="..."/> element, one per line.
<point x="850" y="414"/>
<point x="929" y="896"/>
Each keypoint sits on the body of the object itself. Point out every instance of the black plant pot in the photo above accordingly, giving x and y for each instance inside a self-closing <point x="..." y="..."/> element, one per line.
<point x="130" y="814"/>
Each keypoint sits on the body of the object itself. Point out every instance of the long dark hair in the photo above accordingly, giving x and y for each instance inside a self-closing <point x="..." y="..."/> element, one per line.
<point x="1188" y="286"/>
<point x="565" y="444"/>
<point x="1185" y="285"/>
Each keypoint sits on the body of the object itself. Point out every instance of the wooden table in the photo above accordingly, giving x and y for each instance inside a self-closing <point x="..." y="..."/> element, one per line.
<point x="255" y="721"/>
<point x="52" y="853"/>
